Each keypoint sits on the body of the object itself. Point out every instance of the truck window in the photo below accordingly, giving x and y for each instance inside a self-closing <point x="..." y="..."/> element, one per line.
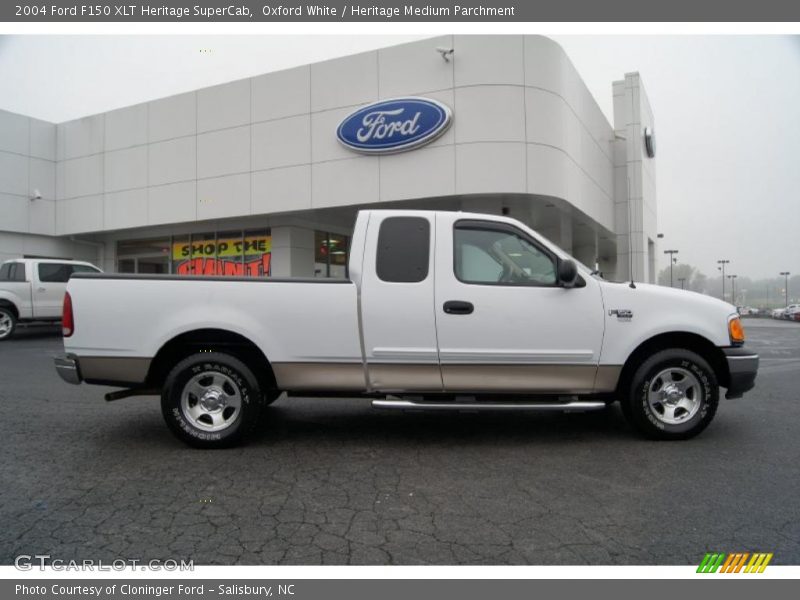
<point x="16" y="272"/>
<point x="84" y="269"/>
<point x="404" y="245"/>
<point x="54" y="272"/>
<point x="5" y="272"/>
<point x="500" y="256"/>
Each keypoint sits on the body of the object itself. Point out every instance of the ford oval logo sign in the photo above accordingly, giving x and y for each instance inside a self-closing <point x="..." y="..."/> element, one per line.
<point x="394" y="125"/>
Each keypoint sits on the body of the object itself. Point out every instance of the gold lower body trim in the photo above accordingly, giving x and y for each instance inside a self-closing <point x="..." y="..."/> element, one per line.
<point x="124" y="370"/>
<point x="396" y="377"/>
<point x="540" y="379"/>
<point x="333" y="377"/>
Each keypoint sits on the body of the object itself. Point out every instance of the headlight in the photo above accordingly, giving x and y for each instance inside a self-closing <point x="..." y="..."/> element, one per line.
<point x="735" y="330"/>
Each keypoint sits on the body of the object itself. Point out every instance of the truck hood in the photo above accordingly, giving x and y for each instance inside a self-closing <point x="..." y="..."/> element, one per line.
<point x="668" y="294"/>
<point x="658" y="309"/>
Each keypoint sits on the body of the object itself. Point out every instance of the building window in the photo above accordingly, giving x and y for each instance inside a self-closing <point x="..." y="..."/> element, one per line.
<point x="225" y="253"/>
<point x="181" y="254"/>
<point x="257" y="251"/>
<point x="143" y="256"/>
<point x="331" y="254"/>
<point x="202" y="255"/>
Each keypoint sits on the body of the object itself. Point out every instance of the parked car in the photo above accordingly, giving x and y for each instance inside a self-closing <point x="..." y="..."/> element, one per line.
<point x="792" y="312"/>
<point x="777" y="313"/>
<point x="444" y="311"/>
<point x="33" y="290"/>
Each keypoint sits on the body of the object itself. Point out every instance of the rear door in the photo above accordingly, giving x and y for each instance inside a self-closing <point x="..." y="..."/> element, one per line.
<point x="396" y="302"/>
<point x="503" y="322"/>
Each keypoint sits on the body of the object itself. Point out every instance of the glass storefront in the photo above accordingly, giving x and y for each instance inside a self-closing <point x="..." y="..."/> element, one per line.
<point x="331" y="254"/>
<point x="237" y="253"/>
<point x="227" y="253"/>
<point x="143" y="256"/>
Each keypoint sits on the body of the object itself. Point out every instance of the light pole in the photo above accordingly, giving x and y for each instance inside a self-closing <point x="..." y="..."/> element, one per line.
<point x="723" y="262"/>
<point x="672" y="259"/>
<point x="683" y="281"/>
<point x="733" y="288"/>
<point x="786" y="285"/>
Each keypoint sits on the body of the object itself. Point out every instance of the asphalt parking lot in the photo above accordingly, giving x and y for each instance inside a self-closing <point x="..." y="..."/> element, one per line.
<point x="334" y="482"/>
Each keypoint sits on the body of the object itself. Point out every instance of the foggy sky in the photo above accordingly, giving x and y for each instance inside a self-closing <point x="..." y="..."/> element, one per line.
<point x="726" y="110"/>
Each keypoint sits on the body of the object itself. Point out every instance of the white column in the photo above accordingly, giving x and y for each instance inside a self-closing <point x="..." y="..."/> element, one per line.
<point x="292" y="252"/>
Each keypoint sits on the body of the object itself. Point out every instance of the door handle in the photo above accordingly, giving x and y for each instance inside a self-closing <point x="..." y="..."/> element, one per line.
<point x="41" y="289"/>
<point x="458" y="307"/>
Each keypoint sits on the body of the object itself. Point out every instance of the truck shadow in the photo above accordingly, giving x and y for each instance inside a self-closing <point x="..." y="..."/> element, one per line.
<point x="353" y="423"/>
<point x="33" y="332"/>
<point x="331" y="425"/>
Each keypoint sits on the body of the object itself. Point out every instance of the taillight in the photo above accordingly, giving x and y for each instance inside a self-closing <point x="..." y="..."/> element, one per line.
<point x="67" y="320"/>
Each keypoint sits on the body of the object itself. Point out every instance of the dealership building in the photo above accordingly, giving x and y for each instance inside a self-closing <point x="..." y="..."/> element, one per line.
<point x="255" y="177"/>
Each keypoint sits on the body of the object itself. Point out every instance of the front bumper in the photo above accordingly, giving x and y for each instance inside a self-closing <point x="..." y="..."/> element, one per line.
<point x="743" y="368"/>
<point x="68" y="369"/>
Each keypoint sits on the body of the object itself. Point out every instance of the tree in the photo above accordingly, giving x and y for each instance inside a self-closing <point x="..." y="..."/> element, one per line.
<point x="699" y="283"/>
<point x="694" y="278"/>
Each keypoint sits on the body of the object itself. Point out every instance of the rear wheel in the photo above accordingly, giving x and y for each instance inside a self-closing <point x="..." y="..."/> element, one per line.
<point x="211" y="400"/>
<point x="673" y="395"/>
<point x="8" y="323"/>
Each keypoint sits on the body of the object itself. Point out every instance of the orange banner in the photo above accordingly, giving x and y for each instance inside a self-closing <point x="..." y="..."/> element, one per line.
<point x="226" y="268"/>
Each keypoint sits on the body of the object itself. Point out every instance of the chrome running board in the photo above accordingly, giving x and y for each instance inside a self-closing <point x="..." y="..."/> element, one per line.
<point x="500" y="406"/>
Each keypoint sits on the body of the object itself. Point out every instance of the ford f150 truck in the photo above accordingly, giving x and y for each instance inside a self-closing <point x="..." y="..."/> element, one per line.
<point x="441" y="311"/>
<point x="32" y="289"/>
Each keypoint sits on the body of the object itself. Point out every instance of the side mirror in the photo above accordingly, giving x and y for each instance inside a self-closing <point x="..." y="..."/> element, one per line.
<point x="567" y="273"/>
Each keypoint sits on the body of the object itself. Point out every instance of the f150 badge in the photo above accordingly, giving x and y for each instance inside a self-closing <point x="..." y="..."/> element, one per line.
<point x="394" y="125"/>
<point x="623" y="314"/>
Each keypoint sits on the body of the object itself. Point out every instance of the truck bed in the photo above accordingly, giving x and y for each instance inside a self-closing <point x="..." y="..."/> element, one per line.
<point x="297" y="323"/>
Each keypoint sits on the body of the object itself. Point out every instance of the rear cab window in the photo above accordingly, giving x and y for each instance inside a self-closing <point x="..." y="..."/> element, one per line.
<point x="55" y="272"/>
<point x="404" y="246"/>
<point x="84" y="269"/>
<point x="12" y="271"/>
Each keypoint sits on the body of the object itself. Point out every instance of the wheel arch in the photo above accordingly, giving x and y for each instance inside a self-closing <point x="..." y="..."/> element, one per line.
<point x="675" y="339"/>
<point x="8" y="304"/>
<point x="210" y="340"/>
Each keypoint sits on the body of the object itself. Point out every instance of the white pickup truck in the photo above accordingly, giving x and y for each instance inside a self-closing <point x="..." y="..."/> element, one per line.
<point x="442" y="311"/>
<point x="32" y="289"/>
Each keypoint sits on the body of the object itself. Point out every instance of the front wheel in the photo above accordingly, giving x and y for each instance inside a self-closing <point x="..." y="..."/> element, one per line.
<point x="673" y="395"/>
<point x="211" y="400"/>
<point x="8" y="323"/>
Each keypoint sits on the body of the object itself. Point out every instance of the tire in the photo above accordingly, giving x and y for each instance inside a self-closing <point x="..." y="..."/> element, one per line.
<point x="211" y="400"/>
<point x="673" y="395"/>
<point x="8" y="323"/>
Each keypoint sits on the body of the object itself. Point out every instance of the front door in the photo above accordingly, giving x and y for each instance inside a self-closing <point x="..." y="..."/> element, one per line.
<point x="504" y="324"/>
